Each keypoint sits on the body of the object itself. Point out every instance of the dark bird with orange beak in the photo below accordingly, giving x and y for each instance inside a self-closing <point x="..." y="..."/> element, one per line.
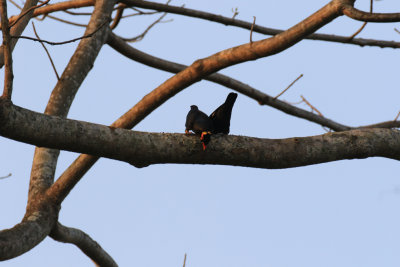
<point x="198" y="122"/>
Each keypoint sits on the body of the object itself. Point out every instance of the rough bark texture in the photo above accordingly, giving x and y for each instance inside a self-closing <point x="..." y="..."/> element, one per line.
<point x="34" y="228"/>
<point x="45" y="160"/>
<point x="52" y="132"/>
<point x="142" y="149"/>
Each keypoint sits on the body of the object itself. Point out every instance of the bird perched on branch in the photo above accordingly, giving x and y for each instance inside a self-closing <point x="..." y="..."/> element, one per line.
<point x="221" y="117"/>
<point x="200" y="123"/>
<point x="218" y="122"/>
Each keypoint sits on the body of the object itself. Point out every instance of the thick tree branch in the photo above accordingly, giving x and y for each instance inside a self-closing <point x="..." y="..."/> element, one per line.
<point x="45" y="160"/>
<point x="197" y="71"/>
<point x="61" y="6"/>
<point x="84" y="242"/>
<point x="34" y="227"/>
<point x="263" y="99"/>
<point x="64" y="92"/>
<point x="356" y="14"/>
<point x="257" y="28"/>
<point x="142" y="149"/>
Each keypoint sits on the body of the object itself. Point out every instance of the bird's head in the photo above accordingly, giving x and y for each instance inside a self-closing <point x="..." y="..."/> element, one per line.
<point x="194" y="107"/>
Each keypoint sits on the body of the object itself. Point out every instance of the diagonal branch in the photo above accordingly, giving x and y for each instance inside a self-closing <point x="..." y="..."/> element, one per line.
<point x="35" y="225"/>
<point x="47" y="51"/>
<point x="84" y="242"/>
<point x="263" y="99"/>
<point x="256" y="28"/>
<point x="26" y="12"/>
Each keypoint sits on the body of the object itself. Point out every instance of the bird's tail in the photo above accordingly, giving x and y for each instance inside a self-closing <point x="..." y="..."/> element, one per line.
<point x="230" y="100"/>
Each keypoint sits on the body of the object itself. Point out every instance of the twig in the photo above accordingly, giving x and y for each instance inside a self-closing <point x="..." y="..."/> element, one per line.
<point x="358" y="31"/>
<point x="287" y="88"/>
<point x="311" y="106"/>
<point x="3" y="177"/>
<point x="364" y="24"/>
<point x="8" y="73"/>
<point x="67" y="21"/>
<point x="142" y="35"/>
<point x="398" y="114"/>
<point x="15" y="4"/>
<point x="47" y="52"/>
<point x="235" y="12"/>
<point x="64" y="42"/>
<point x="396" y="30"/>
<point x="120" y="10"/>
<point x="26" y="12"/>
<point x="77" y="13"/>
<point x="138" y="14"/>
<point x="251" y="29"/>
<point x="184" y="261"/>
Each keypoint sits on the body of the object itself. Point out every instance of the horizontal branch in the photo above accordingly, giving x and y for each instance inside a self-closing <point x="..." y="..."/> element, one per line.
<point x="84" y="242"/>
<point x="356" y="14"/>
<point x="142" y="149"/>
<point x="256" y="28"/>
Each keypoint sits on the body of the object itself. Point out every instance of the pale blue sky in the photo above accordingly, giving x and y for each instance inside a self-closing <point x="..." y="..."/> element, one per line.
<point x="343" y="214"/>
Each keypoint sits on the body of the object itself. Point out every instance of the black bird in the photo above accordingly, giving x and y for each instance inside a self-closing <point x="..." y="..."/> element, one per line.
<point x="221" y="117"/>
<point x="200" y="123"/>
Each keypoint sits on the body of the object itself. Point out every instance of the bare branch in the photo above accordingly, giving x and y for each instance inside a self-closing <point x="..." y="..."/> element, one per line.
<point x="184" y="261"/>
<point x="251" y="29"/>
<point x="84" y="242"/>
<point x="41" y="214"/>
<point x="47" y="52"/>
<point x="143" y="34"/>
<point x="386" y="124"/>
<point x="290" y="85"/>
<point x="18" y="28"/>
<point x="61" y="98"/>
<point x="311" y="106"/>
<point x="356" y="14"/>
<point x="263" y="99"/>
<point x="8" y="74"/>
<point x="77" y="13"/>
<point x="120" y="10"/>
<point x="398" y="114"/>
<point x="66" y="21"/>
<point x="26" y="12"/>
<point x="256" y="28"/>
<point x="371" y="8"/>
<point x="64" y="42"/>
<point x="128" y="146"/>
<point x="34" y="227"/>
<point x="140" y="13"/>
<point x="61" y="6"/>
<point x="3" y="177"/>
